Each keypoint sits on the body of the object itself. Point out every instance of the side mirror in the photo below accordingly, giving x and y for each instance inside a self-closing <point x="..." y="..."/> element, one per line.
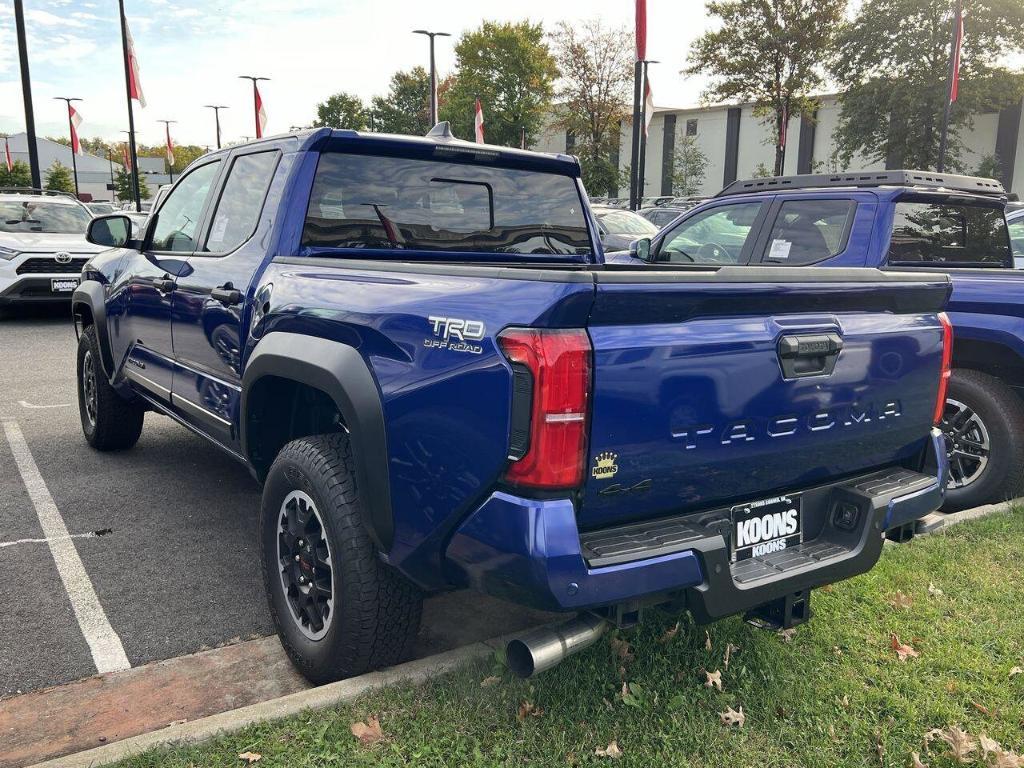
<point x="641" y="249"/>
<point x="112" y="230"/>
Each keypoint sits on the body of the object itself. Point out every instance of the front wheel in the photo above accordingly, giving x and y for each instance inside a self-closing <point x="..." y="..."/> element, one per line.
<point x="109" y="422"/>
<point x="983" y="426"/>
<point x="338" y="610"/>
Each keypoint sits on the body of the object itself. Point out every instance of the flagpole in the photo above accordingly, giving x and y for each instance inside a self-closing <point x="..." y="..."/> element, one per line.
<point x="255" y="101"/>
<point x="167" y="149"/>
<point x="26" y="92"/>
<point x="71" y="135"/>
<point x="958" y="11"/>
<point x="638" y="95"/>
<point x="131" y="114"/>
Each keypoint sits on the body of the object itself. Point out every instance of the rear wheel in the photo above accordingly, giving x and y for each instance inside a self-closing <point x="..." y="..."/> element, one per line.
<point x="983" y="425"/>
<point x="339" y="610"/>
<point x="109" y="422"/>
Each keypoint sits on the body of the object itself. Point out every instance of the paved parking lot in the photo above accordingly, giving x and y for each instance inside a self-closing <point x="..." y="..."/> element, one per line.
<point x="165" y="535"/>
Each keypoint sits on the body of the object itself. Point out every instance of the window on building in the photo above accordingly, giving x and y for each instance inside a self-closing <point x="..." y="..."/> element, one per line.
<point x="964" y="235"/>
<point x="806" y="231"/>
<point x="691" y="127"/>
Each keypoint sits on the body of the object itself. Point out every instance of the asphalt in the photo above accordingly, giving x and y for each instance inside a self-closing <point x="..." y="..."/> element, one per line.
<point x="173" y="557"/>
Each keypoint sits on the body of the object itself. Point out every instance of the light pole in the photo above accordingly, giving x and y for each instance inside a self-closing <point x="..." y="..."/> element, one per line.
<point x="26" y="92"/>
<point x="255" y="101"/>
<point x="433" y="72"/>
<point x="71" y="135"/>
<point x="170" y="152"/>
<point x="216" y="116"/>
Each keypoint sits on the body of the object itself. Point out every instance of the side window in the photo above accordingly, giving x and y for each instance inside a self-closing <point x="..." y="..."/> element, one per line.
<point x="806" y="231"/>
<point x="952" y="234"/>
<point x="241" y="201"/>
<point x="178" y="217"/>
<point x="716" y="236"/>
<point x="1017" y="238"/>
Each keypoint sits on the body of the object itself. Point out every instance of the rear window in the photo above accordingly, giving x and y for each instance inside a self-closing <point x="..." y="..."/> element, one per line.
<point x="806" y="231"/>
<point x="361" y="201"/>
<point x="949" y="233"/>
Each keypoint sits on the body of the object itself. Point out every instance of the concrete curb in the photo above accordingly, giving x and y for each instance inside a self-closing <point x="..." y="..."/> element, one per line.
<point x="417" y="671"/>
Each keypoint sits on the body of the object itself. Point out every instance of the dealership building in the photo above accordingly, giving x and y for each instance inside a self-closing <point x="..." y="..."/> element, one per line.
<point x="736" y="143"/>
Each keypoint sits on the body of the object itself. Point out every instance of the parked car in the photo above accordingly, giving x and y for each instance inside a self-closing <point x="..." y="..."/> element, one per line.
<point x="414" y="346"/>
<point x="618" y="228"/>
<point x="659" y="216"/>
<point x="896" y="220"/>
<point x="655" y="200"/>
<point x="100" y="208"/>
<point x="1015" y="224"/>
<point x="42" y="246"/>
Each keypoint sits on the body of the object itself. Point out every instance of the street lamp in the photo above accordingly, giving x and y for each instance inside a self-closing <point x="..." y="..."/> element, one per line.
<point x="71" y="135"/>
<point x="255" y="101"/>
<point x="433" y="71"/>
<point x="216" y="116"/>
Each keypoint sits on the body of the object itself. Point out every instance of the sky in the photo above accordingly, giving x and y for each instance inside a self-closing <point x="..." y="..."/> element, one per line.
<point x="192" y="51"/>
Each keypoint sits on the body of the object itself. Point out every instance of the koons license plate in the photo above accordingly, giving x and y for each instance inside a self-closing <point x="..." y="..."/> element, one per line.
<point x="63" y="284"/>
<point x="766" y="526"/>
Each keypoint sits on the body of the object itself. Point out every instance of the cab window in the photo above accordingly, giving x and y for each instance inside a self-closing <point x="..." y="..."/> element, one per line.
<point x="806" y="231"/>
<point x="713" y="237"/>
<point x="952" y="234"/>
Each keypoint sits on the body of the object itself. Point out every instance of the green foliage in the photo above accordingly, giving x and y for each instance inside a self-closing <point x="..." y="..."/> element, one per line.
<point x="59" y="178"/>
<point x="768" y="53"/>
<point x="342" y="110"/>
<point x="689" y="167"/>
<point x="20" y="174"/>
<point x="990" y="167"/>
<point x="123" y="186"/>
<point x="762" y="171"/>
<point x="510" y="68"/>
<point x="892" y="63"/>
<point x="594" y="94"/>
<point x="406" y="108"/>
<point x="183" y="154"/>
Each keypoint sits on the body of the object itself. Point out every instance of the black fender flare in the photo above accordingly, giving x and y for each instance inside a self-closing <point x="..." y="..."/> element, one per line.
<point x="338" y="370"/>
<point x="90" y="294"/>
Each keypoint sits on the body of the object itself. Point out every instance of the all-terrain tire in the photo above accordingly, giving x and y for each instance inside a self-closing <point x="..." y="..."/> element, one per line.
<point x="376" y="612"/>
<point x="109" y="422"/>
<point x="1001" y="412"/>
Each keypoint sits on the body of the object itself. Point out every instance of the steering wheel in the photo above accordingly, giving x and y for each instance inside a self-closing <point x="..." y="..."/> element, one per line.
<point x="713" y="253"/>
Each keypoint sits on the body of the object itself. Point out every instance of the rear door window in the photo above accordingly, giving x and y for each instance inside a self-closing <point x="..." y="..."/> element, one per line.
<point x="713" y="237"/>
<point x="241" y="201"/>
<point x="953" y="234"/>
<point x="806" y="231"/>
<point x="368" y="202"/>
<point x="1016" y="228"/>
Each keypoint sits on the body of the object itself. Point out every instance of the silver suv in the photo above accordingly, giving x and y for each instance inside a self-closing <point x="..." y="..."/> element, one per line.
<point x="42" y="246"/>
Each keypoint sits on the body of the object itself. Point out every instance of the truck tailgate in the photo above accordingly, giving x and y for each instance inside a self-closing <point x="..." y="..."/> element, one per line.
<point x="727" y="387"/>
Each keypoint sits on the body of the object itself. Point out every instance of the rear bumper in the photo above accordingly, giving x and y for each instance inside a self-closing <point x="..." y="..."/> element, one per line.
<point x="531" y="551"/>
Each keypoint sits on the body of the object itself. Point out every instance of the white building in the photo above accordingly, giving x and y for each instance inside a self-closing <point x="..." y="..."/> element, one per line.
<point x="95" y="174"/>
<point x="736" y="143"/>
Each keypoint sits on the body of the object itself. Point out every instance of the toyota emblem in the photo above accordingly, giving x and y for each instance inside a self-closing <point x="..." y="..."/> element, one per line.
<point x="63" y="257"/>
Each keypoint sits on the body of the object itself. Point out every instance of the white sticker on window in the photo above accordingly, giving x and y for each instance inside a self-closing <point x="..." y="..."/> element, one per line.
<point x="220" y="226"/>
<point x="779" y="249"/>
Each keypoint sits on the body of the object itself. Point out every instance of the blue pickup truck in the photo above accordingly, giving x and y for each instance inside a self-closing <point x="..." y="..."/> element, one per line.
<point x="903" y="220"/>
<point x="416" y="347"/>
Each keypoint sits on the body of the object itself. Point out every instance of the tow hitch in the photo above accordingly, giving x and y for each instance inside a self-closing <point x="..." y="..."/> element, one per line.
<point x="786" y="612"/>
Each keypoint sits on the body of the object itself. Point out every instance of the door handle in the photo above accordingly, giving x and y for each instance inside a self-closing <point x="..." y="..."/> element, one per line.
<point x="809" y="355"/>
<point x="164" y="284"/>
<point x="226" y="295"/>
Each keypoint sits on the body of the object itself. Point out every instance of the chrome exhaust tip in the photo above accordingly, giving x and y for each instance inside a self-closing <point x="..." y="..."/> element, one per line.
<point x="543" y="648"/>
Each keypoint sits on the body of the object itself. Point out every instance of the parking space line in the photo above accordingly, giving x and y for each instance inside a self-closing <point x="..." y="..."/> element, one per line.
<point x="107" y="651"/>
<point x="25" y="404"/>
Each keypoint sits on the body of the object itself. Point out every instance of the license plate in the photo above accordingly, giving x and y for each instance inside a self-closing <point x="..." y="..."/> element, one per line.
<point x="766" y="526"/>
<point x="63" y="284"/>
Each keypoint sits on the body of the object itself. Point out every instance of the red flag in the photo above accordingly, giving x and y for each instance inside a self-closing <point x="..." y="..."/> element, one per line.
<point x="648" y="105"/>
<point x="954" y="84"/>
<point x="76" y="120"/>
<point x="7" y="151"/>
<point x="478" y="122"/>
<point x="134" y="83"/>
<point x="784" y="126"/>
<point x="127" y="158"/>
<point x="170" y="146"/>
<point x="261" y="113"/>
<point x="641" y="30"/>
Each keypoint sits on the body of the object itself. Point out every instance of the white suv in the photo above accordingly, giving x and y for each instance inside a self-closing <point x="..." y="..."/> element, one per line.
<point x="42" y="246"/>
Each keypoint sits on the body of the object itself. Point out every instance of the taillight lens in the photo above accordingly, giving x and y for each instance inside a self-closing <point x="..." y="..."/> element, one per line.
<point x="947" y="366"/>
<point x="559" y="364"/>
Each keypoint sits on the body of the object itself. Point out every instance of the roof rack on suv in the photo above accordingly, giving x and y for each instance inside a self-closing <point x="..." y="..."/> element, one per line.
<point x="35" y="191"/>
<point x="920" y="179"/>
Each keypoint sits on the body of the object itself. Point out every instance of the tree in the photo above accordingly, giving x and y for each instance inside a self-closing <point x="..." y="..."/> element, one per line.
<point x="769" y="53"/>
<point x="342" y="110"/>
<point x="596" y="65"/>
<point x="184" y="154"/>
<point x="59" y="178"/>
<point x="689" y="168"/>
<point x="20" y="175"/>
<point x="406" y="108"/>
<point x="509" y="67"/>
<point x="892" y="65"/>
<point x="123" y="186"/>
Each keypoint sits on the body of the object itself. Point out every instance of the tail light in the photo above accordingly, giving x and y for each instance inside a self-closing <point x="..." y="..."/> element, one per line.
<point x="550" y="406"/>
<point x="947" y="366"/>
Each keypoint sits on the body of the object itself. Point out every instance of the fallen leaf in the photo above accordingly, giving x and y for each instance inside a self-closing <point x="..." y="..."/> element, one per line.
<point x="607" y="704"/>
<point x="733" y="717"/>
<point x="1016" y="671"/>
<point x="669" y="634"/>
<point x="787" y="634"/>
<point x="845" y="703"/>
<point x="960" y="742"/>
<point x="707" y="641"/>
<point x="931" y="736"/>
<point x="988" y="745"/>
<point x="730" y="649"/>
<point x="714" y="679"/>
<point x="903" y="651"/>
<point x="983" y="709"/>
<point x="250" y="757"/>
<point x="1006" y="759"/>
<point x="621" y="648"/>
<point x="487" y="682"/>
<point x="612" y="751"/>
<point x="900" y="600"/>
<point x="933" y="590"/>
<point x="369" y="732"/>
<point x="915" y="759"/>
<point x="528" y="709"/>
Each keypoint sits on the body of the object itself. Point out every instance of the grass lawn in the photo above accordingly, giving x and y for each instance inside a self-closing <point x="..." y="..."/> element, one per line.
<point x="835" y="694"/>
